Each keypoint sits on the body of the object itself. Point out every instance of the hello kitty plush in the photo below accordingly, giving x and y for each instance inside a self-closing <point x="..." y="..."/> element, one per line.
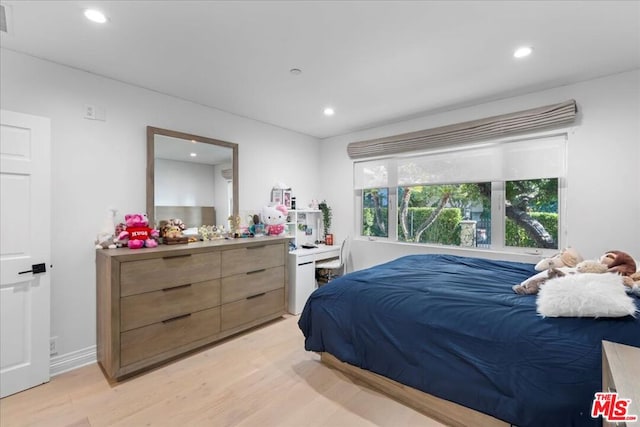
<point x="274" y="218"/>
<point x="138" y="233"/>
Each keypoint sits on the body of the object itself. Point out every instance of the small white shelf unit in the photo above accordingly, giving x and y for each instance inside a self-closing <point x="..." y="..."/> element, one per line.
<point x="303" y="225"/>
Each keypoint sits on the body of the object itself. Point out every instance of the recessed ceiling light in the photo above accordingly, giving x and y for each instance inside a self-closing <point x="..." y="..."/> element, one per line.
<point x="329" y="111"/>
<point x="523" y="51"/>
<point x="95" y="16"/>
<point x="193" y="154"/>
<point x="295" y="71"/>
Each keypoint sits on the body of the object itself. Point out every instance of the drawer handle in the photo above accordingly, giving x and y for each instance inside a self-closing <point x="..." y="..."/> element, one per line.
<point x="256" y="295"/>
<point x="173" y="319"/>
<point x="176" y="256"/>
<point x="257" y="271"/>
<point x="256" y="247"/>
<point x="176" y="287"/>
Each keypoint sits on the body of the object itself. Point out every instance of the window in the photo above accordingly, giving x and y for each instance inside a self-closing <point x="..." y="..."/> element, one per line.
<point x="444" y="214"/>
<point x="499" y="195"/>
<point x="375" y="212"/>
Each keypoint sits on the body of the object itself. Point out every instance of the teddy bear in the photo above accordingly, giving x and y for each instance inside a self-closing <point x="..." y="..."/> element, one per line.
<point x="532" y="285"/>
<point x="138" y="234"/>
<point x="274" y="218"/>
<point x="632" y="283"/>
<point x="105" y="238"/>
<point x="568" y="257"/>
<point x="619" y="262"/>
<point x="591" y="266"/>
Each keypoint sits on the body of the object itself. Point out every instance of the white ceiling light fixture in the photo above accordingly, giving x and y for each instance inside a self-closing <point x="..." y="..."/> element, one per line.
<point x="95" y="16"/>
<point x="522" y="52"/>
<point x="329" y="111"/>
<point x="193" y="154"/>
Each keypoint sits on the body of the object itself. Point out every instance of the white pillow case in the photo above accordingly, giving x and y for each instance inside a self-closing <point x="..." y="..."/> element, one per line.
<point x="585" y="295"/>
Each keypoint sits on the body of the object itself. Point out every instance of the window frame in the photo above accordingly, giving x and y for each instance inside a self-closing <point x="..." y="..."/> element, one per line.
<point x="498" y="196"/>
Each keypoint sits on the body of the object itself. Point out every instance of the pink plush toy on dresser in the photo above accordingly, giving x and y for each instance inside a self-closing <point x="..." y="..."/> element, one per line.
<point x="274" y="218"/>
<point x="138" y="233"/>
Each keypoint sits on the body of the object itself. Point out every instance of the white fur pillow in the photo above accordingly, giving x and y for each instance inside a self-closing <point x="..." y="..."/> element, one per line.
<point x="585" y="295"/>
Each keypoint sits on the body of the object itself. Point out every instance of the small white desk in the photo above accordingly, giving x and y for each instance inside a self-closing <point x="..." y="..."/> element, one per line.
<point x="302" y="273"/>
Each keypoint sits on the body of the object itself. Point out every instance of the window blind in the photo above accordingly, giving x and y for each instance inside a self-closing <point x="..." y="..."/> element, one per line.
<point x="371" y="174"/>
<point x="518" y="160"/>
<point x="476" y="130"/>
<point x="227" y="174"/>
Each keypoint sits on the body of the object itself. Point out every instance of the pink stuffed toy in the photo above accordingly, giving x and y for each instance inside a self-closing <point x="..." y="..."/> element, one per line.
<point x="138" y="233"/>
<point x="274" y="218"/>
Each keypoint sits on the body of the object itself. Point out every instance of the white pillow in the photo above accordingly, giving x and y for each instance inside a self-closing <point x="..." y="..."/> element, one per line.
<point x="585" y="295"/>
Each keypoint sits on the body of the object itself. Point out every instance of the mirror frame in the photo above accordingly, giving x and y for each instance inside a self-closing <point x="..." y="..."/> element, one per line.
<point x="151" y="132"/>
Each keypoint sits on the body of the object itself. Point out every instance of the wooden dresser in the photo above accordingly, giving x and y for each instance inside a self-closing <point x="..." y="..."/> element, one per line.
<point x="155" y="304"/>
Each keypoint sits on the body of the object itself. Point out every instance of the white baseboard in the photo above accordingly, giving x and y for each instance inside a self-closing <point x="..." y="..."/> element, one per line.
<point x="70" y="361"/>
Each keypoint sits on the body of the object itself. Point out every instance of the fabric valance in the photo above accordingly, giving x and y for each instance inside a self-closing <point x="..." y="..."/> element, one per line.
<point x="476" y="130"/>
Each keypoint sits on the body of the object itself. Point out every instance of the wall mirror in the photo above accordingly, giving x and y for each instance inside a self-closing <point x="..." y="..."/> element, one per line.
<point x="190" y="177"/>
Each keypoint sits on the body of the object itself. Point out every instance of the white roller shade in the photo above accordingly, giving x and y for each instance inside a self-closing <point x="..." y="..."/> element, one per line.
<point x="528" y="159"/>
<point x="371" y="174"/>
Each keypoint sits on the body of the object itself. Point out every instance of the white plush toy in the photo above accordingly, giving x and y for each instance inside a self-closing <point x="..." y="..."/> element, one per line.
<point x="274" y="218"/>
<point x="105" y="238"/>
<point x="569" y="257"/>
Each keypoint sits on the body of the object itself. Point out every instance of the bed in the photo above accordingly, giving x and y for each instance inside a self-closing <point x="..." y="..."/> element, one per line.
<point x="453" y="328"/>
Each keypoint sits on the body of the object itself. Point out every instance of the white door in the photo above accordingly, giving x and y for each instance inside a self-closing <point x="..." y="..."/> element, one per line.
<point x="24" y="241"/>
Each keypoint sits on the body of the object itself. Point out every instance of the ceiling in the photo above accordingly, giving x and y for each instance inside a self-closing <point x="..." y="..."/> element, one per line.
<point x="184" y="150"/>
<point x="374" y="62"/>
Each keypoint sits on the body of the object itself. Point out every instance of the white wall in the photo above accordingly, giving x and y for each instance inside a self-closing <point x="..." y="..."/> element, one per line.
<point x="603" y="168"/>
<point x="97" y="164"/>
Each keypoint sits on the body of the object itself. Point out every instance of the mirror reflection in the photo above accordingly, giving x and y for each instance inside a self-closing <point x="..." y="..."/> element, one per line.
<point x="190" y="177"/>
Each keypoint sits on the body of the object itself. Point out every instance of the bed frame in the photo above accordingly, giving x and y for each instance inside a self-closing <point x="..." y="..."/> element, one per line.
<point x="439" y="409"/>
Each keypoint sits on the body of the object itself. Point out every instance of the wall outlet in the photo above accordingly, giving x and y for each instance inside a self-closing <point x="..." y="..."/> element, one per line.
<point x="89" y="111"/>
<point x="53" y="346"/>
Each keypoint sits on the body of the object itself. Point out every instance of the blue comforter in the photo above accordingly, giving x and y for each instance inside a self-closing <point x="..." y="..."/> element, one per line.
<point x="452" y="327"/>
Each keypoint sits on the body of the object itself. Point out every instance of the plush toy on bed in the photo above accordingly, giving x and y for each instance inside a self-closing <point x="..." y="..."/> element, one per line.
<point x="532" y="285"/>
<point x="138" y="234"/>
<point x="591" y="266"/>
<point x="569" y="257"/>
<point x="274" y="218"/>
<point x="632" y="283"/>
<point x="619" y="262"/>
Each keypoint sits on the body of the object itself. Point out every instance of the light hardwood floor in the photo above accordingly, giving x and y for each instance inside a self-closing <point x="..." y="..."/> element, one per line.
<point x="261" y="378"/>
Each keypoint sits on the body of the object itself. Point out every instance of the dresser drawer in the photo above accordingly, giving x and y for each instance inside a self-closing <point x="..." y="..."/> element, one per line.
<point x="155" y="274"/>
<point x="142" y="343"/>
<point x="244" y="285"/>
<point x="252" y="308"/>
<point x="151" y="307"/>
<point x="252" y="258"/>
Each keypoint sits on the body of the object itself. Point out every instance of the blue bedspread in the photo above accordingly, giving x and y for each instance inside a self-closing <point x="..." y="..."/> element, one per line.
<point x="452" y="327"/>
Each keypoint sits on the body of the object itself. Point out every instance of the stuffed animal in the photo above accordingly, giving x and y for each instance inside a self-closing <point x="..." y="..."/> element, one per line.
<point x="632" y="283"/>
<point x="619" y="262"/>
<point x="138" y="234"/>
<point x="274" y="218"/>
<point x="569" y="257"/>
<point x="532" y="285"/>
<point x="591" y="266"/>
<point x="105" y="238"/>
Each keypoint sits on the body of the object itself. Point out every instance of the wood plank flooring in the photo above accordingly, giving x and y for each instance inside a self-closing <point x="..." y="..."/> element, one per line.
<point x="263" y="377"/>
